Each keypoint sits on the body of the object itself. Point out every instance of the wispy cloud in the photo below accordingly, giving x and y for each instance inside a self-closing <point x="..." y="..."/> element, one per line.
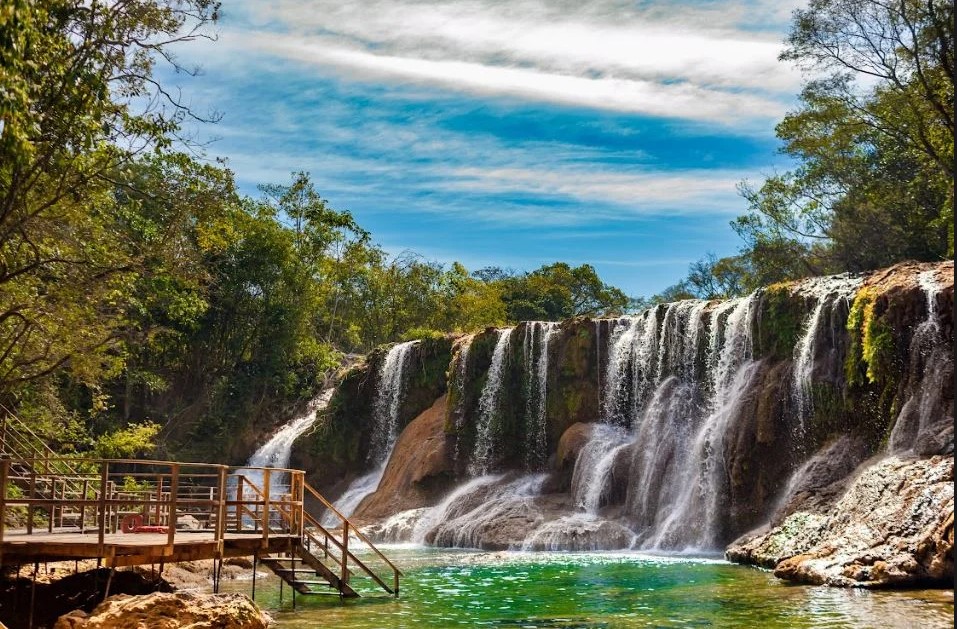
<point x="691" y="62"/>
<point x="633" y="193"/>
<point x="676" y="100"/>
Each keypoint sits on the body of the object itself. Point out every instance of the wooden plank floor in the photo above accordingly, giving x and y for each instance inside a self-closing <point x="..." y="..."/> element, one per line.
<point x="124" y="549"/>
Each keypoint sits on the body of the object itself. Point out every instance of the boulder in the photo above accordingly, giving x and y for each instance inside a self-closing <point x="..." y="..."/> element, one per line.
<point x="180" y="610"/>
<point x="894" y="526"/>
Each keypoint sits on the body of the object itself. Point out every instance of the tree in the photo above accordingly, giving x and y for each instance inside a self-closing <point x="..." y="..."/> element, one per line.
<point x="73" y="74"/>
<point x="556" y="291"/>
<point x="874" y="142"/>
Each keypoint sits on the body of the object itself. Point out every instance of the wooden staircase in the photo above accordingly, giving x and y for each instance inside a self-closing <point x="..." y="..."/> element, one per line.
<point x="324" y="562"/>
<point x="318" y="578"/>
<point x="40" y="473"/>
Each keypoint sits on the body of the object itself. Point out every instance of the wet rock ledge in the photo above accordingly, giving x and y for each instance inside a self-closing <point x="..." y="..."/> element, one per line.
<point x="893" y="527"/>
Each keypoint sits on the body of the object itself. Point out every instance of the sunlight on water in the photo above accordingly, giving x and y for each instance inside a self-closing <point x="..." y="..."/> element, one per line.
<point x="448" y="588"/>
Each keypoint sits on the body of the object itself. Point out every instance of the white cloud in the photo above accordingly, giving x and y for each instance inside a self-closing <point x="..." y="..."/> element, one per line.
<point x="635" y="193"/>
<point x="697" y="62"/>
<point x="678" y="100"/>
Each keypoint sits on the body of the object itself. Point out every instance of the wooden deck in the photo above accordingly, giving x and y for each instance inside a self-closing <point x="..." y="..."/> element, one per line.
<point x="130" y="549"/>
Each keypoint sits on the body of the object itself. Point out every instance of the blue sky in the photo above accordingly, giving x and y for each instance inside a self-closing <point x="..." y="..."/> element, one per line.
<point x="508" y="133"/>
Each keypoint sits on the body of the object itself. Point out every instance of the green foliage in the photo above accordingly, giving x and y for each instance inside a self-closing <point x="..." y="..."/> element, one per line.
<point x="780" y="324"/>
<point x="873" y="143"/>
<point x="872" y="351"/>
<point x="874" y="183"/>
<point x="422" y="334"/>
<point x="133" y="441"/>
<point x="555" y="292"/>
<point x="78" y="103"/>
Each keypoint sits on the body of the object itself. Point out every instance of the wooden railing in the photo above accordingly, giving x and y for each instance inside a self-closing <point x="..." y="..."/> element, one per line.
<point x="103" y="497"/>
<point x="161" y="493"/>
<point x="316" y="534"/>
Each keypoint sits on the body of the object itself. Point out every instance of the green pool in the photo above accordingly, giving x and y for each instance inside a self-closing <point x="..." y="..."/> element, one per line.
<point x="444" y="588"/>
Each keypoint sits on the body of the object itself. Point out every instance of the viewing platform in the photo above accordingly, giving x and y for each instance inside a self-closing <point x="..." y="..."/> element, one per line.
<point x="138" y="512"/>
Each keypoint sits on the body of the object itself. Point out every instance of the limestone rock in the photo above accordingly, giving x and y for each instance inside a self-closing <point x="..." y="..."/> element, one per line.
<point x="181" y="610"/>
<point x="419" y="469"/>
<point x="894" y="526"/>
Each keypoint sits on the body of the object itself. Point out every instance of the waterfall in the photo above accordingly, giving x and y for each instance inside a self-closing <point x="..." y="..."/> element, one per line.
<point x="277" y="451"/>
<point x="644" y="350"/>
<point x="484" y="452"/>
<point x="826" y="292"/>
<point x="684" y="395"/>
<point x="388" y="403"/>
<point x="451" y="506"/>
<point x="617" y="383"/>
<point x="925" y="413"/>
<point x="486" y="504"/>
<point x="538" y="335"/>
<point x="678" y="476"/>
<point x="591" y="475"/>
<point x="461" y="371"/>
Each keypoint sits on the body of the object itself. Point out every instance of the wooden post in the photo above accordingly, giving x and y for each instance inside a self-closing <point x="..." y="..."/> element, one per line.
<point x="83" y="498"/>
<point x="51" y="512"/>
<point x="33" y="487"/>
<point x="157" y="510"/>
<point x="345" y="552"/>
<point x="255" y="568"/>
<point x="265" y="515"/>
<point x="173" y="491"/>
<point x="221" y="506"/>
<point x="101" y="523"/>
<point x="4" y="473"/>
<point x="239" y="501"/>
<point x="301" y="499"/>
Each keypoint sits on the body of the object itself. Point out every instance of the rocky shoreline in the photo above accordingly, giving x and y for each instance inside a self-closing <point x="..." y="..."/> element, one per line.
<point x="70" y="595"/>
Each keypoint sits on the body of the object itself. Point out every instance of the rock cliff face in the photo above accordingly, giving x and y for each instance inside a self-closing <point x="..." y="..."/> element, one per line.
<point x="682" y="427"/>
<point x="419" y="470"/>
<point x="337" y="449"/>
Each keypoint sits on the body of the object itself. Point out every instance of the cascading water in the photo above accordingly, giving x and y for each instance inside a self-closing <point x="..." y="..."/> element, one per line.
<point x="538" y="335"/>
<point x="678" y="465"/>
<point x="686" y="392"/>
<point x="277" y="451"/>
<point x="827" y="292"/>
<point x="487" y="504"/>
<point x="484" y="452"/>
<point x="925" y="413"/>
<point x="461" y="371"/>
<point x="594" y="464"/>
<point x="388" y="402"/>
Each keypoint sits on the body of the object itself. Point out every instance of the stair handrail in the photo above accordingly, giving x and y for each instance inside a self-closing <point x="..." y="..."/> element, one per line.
<point x="338" y="544"/>
<point x="353" y="527"/>
<point x="13" y="426"/>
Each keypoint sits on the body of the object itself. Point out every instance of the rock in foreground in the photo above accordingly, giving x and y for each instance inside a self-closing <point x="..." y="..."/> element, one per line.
<point x="893" y="527"/>
<point x="181" y="610"/>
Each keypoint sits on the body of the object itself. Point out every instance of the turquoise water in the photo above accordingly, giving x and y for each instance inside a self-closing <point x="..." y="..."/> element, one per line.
<point x="444" y="588"/>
